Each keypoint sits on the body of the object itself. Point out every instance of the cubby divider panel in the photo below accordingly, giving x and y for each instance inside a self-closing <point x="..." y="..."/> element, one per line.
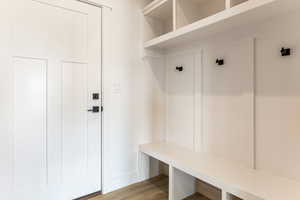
<point x="208" y="190"/>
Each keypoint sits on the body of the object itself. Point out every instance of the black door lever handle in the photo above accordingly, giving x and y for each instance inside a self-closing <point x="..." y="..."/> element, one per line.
<point x="95" y="109"/>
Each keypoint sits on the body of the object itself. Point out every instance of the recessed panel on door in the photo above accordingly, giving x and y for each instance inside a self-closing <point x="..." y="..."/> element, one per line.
<point x="30" y="128"/>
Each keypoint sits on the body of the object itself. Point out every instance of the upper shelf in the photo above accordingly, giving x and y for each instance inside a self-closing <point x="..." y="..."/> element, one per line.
<point x="249" y="12"/>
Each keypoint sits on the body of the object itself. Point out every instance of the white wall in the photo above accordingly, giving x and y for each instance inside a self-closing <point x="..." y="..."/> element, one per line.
<point x="249" y="109"/>
<point x="133" y="93"/>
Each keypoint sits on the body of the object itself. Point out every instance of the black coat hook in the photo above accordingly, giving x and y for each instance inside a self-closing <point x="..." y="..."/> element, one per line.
<point x="179" y="68"/>
<point x="285" y="51"/>
<point x="220" y="61"/>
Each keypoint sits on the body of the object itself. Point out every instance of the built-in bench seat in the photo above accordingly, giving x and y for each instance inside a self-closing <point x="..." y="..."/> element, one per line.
<point x="230" y="177"/>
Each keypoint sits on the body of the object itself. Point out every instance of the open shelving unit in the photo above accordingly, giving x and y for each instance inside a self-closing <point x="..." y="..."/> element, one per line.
<point x="179" y="22"/>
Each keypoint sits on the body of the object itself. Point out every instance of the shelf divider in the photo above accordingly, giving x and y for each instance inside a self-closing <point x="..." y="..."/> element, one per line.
<point x="228" y="4"/>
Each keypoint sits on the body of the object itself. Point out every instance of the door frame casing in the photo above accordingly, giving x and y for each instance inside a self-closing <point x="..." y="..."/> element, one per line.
<point x="106" y="63"/>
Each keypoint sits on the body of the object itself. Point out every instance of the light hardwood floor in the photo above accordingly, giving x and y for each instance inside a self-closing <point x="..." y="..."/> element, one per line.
<point x="154" y="189"/>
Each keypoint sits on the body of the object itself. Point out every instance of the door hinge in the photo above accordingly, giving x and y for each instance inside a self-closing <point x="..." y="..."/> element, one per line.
<point x="102" y="108"/>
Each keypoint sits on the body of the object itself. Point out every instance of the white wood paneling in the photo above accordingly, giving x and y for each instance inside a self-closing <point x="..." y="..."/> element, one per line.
<point x="180" y="100"/>
<point x="30" y="128"/>
<point x="252" y="118"/>
<point x="228" y="103"/>
<point x="210" y="107"/>
<point x="278" y="98"/>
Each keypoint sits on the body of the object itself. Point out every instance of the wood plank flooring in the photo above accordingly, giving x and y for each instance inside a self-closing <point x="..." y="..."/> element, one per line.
<point x="153" y="189"/>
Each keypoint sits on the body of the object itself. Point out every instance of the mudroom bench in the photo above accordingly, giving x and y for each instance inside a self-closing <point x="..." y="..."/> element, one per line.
<point x="231" y="178"/>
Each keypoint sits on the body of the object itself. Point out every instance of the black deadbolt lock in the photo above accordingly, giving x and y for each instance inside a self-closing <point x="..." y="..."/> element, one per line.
<point x="96" y="96"/>
<point x="95" y="109"/>
<point x="285" y="52"/>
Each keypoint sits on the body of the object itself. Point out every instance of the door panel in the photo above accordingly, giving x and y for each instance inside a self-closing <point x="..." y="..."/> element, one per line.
<point x="51" y="57"/>
<point x="30" y="134"/>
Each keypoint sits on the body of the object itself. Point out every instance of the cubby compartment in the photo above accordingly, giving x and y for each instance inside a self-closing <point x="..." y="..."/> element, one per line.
<point x="159" y="177"/>
<point x="157" y="167"/>
<point x="187" y="187"/>
<point x="237" y="2"/>
<point x="158" y="16"/>
<point x="163" y="168"/>
<point x="189" y="11"/>
<point x="208" y="191"/>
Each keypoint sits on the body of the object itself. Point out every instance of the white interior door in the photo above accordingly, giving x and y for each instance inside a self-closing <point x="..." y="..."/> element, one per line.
<point x="50" y="68"/>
